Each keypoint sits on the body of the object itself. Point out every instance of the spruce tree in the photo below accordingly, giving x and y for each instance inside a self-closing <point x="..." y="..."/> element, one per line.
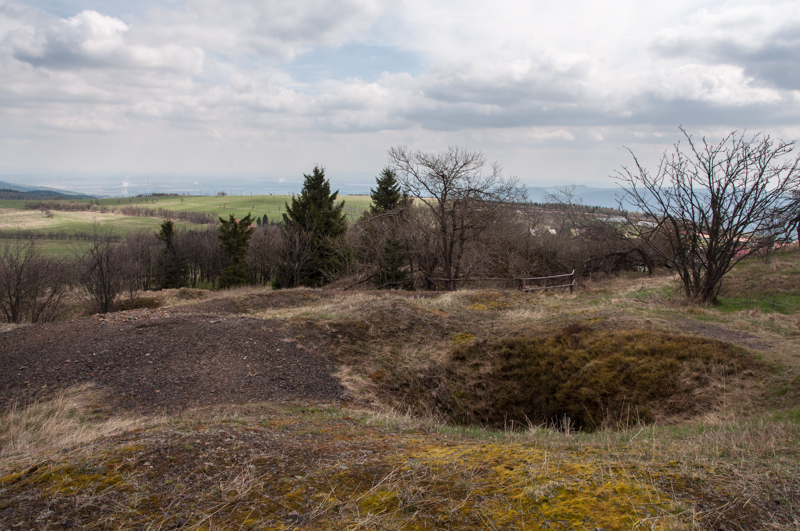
<point x="315" y="211"/>
<point x="390" y="260"/>
<point x="234" y="238"/>
<point x="171" y="266"/>
<point x="386" y="196"/>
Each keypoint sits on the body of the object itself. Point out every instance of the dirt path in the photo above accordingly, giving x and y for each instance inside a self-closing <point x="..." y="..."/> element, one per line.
<point x="160" y="360"/>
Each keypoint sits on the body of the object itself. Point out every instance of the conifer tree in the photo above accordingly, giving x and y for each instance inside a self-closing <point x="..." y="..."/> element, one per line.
<point x="171" y="266"/>
<point x="234" y="237"/>
<point x="386" y="196"/>
<point x="390" y="258"/>
<point x="316" y="212"/>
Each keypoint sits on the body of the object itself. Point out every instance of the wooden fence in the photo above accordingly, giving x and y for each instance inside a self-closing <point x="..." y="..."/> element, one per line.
<point x="522" y="283"/>
<point x="547" y="280"/>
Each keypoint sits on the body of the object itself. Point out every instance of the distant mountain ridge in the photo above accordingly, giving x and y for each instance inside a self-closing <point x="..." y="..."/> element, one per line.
<point x="601" y="197"/>
<point x="19" y="191"/>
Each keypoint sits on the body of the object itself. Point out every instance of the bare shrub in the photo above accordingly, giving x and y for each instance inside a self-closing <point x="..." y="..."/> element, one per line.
<point x="295" y="256"/>
<point x="462" y="201"/>
<point x="204" y="259"/>
<point x="716" y="204"/>
<point x="262" y="257"/>
<point x="102" y="272"/>
<point x="32" y="286"/>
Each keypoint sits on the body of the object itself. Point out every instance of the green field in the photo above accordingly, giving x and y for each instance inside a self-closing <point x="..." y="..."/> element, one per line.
<point x="15" y="217"/>
<point x="70" y="222"/>
<point x="274" y="206"/>
<point x="258" y="205"/>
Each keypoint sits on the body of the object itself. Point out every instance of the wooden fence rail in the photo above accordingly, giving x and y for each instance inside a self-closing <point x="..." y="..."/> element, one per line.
<point x="521" y="282"/>
<point x="546" y="280"/>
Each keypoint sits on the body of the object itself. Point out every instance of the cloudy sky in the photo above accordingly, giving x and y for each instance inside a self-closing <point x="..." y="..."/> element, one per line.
<point x="552" y="90"/>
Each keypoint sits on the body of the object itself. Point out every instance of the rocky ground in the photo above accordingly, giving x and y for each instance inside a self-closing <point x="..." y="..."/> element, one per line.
<point x="165" y="360"/>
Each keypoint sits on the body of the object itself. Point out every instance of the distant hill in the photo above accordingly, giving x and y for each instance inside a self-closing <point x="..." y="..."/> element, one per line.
<point x="19" y="191"/>
<point x="601" y="197"/>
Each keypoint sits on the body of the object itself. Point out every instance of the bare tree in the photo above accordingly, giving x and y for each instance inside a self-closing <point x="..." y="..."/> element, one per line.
<point x="102" y="272"/>
<point x="462" y="200"/>
<point x="204" y="256"/>
<point x="714" y="204"/>
<point x="262" y="254"/>
<point x="295" y="260"/>
<point x="32" y="286"/>
<point x="596" y="242"/>
<point x="139" y="260"/>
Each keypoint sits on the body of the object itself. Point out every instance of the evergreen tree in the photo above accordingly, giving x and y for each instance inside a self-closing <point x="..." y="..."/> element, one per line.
<point x="316" y="212"/>
<point x="234" y="237"/>
<point x="171" y="266"/>
<point x="390" y="259"/>
<point x="386" y="196"/>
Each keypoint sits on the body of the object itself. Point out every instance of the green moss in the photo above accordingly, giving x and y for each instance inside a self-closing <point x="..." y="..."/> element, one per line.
<point x="583" y="377"/>
<point x="464" y="338"/>
<point x="778" y="303"/>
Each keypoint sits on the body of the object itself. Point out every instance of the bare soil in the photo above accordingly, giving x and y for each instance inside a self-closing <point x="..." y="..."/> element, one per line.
<point x="165" y="360"/>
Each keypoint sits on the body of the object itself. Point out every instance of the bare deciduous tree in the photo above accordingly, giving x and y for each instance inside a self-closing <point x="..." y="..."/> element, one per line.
<point x="461" y="199"/>
<point x="714" y="204"/>
<point x="262" y="254"/>
<point x="597" y="242"/>
<point x="102" y="272"/>
<point x="295" y="256"/>
<point x="32" y="286"/>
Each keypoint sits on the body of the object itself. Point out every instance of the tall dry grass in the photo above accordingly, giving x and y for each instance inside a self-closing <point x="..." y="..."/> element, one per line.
<point x="72" y="418"/>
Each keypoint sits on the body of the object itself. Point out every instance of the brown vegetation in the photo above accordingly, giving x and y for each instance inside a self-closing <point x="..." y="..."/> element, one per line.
<point x="720" y="448"/>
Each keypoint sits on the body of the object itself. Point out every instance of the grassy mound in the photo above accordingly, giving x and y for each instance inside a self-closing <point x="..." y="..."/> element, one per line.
<point x="586" y="378"/>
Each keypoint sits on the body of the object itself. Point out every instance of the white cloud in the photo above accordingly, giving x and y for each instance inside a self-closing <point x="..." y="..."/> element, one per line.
<point x="92" y="40"/>
<point x="217" y="74"/>
<point x="277" y="28"/>
<point x="719" y="84"/>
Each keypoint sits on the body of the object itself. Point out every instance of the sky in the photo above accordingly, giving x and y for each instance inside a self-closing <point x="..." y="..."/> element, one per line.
<point x="203" y="93"/>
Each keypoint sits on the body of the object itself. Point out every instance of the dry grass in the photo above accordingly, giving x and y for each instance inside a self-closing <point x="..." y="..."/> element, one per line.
<point x="74" y="417"/>
<point x="733" y="465"/>
<point x="262" y="466"/>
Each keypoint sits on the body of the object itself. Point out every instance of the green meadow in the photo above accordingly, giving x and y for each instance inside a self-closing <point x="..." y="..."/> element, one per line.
<point x="274" y="206"/>
<point x="14" y="216"/>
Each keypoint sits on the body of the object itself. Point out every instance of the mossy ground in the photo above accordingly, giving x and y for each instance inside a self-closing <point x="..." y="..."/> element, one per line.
<point x="589" y="378"/>
<point x="732" y="462"/>
<point x="270" y="467"/>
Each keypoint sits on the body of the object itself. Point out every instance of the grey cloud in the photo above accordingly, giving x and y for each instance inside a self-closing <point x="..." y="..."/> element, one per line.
<point x="772" y="58"/>
<point x="540" y="79"/>
<point x="655" y="110"/>
<point x="277" y="28"/>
